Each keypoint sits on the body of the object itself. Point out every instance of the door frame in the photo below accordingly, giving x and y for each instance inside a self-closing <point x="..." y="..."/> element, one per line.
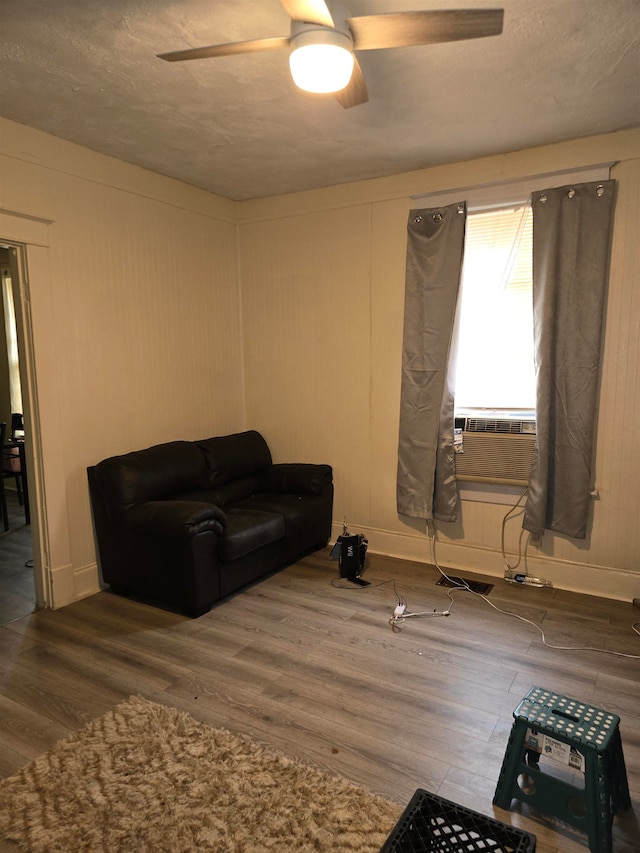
<point x="27" y="239"/>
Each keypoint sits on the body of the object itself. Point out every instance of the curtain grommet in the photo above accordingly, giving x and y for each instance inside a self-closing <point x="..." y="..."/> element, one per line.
<point x="571" y="193"/>
<point x="417" y="218"/>
<point x="437" y="217"/>
<point x="599" y="190"/>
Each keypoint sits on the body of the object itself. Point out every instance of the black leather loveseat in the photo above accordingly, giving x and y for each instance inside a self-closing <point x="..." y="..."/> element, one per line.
<point x="189" y="522"/>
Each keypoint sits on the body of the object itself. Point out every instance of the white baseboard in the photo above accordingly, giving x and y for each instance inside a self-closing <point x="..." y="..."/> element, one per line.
<point x="69" y="584"/>
<point x="62" y="586"/>
<point x="602" y="581"/>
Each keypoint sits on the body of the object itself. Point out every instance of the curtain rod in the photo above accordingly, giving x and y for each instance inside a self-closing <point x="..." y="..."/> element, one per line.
<point x="517" y="191"/>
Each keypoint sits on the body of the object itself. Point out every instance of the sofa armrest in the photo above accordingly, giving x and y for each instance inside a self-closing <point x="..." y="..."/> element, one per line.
<point x="180" y="519"/>
<point x="298" y="478"/>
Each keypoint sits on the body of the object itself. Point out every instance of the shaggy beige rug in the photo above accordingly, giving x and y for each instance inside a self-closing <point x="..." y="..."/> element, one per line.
<point x="146" y="778"/>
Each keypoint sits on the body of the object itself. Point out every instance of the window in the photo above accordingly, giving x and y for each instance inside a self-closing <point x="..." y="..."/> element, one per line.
<point x="495" y="366"/>
<point x="493" y="329"/>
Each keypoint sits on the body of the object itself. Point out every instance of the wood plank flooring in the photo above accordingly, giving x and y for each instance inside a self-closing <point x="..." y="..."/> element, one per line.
<point x="308" y="664"/>
<point x="17" y="589"/>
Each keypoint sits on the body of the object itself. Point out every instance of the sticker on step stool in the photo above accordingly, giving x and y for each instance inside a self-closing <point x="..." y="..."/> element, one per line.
<point x="554" y="749"/>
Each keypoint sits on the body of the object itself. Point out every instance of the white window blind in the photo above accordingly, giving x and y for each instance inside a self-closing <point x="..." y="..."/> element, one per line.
<point x="495" y="368"/>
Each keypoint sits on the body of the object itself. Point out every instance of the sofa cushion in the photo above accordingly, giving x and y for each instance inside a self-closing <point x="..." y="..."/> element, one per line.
<point x="297" y="478"/>
<point x="232" y="457"/>
<point x="248" y="529"/>
<point x="174" y="518"/>
<point x="223" y="495"/>
<point x="300" y="517"/>
<point x="152" y="474"/>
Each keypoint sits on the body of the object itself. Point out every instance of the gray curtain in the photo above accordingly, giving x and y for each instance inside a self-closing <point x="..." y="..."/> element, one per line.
<point x="572" y="229"/>
<point x="435" y="245"/>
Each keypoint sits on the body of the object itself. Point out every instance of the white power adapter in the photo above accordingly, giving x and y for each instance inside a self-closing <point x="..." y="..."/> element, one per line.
<point x="399" y="610"/>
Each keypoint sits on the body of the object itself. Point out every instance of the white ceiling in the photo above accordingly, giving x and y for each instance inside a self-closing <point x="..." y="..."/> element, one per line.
<point x="86" y="70"/>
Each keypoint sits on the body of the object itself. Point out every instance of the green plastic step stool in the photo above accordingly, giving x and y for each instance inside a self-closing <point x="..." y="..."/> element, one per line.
<point x="583" y="737"/>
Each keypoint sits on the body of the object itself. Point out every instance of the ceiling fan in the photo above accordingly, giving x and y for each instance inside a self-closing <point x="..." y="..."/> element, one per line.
<point x="316" y="31"/>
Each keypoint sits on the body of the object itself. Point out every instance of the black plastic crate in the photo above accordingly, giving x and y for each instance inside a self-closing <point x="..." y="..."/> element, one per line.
<point x="430" y="824"/>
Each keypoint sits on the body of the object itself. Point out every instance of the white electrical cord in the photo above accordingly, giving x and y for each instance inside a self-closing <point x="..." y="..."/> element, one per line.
<point x="467" y="588"/>
<point x="521" y="554"/>
<point x="401" y="614"/>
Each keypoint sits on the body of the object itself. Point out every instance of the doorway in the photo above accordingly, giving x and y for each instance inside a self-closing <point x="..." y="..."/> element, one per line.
<point x="17" y="582"/>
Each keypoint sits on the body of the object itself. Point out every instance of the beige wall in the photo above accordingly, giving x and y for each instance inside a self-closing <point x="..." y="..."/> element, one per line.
<point x="161" y="311"/>
<point x="136" y="321"/>
<point x="323" y="283"/>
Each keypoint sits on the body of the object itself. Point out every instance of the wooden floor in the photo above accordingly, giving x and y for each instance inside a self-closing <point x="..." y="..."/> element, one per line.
<point x="17" y="589"/>
<point x="309" y="664"/>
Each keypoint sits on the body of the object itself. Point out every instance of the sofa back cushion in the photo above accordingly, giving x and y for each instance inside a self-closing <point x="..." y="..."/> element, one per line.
<point x="235" y="457"/>
<point x="152" y="474"/>
<point x="222" y="496"/>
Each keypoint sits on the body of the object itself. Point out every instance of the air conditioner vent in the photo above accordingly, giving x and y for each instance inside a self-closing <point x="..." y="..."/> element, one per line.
<point x="500" y="425"/>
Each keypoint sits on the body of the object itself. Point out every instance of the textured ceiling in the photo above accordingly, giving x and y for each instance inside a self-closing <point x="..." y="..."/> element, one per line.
<point x="86" y="70"/>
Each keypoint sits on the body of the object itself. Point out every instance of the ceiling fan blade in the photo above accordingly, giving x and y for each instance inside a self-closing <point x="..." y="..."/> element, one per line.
<point x="402" y="29"/>
<point x="311" y="11"/>
<point x="355" y="92"/>
<point x="230" y="49"/>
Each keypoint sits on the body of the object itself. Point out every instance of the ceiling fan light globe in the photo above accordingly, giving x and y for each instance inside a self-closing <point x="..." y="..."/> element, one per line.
<point x="321" y="61"/>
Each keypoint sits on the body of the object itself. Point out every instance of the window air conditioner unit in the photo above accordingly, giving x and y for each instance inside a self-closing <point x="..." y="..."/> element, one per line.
<point x="494" y="449"/>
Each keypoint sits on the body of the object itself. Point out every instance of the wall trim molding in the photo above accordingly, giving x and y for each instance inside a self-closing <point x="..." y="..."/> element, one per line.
<point x="21" y="227"/>
<point x="34" y="147"/>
